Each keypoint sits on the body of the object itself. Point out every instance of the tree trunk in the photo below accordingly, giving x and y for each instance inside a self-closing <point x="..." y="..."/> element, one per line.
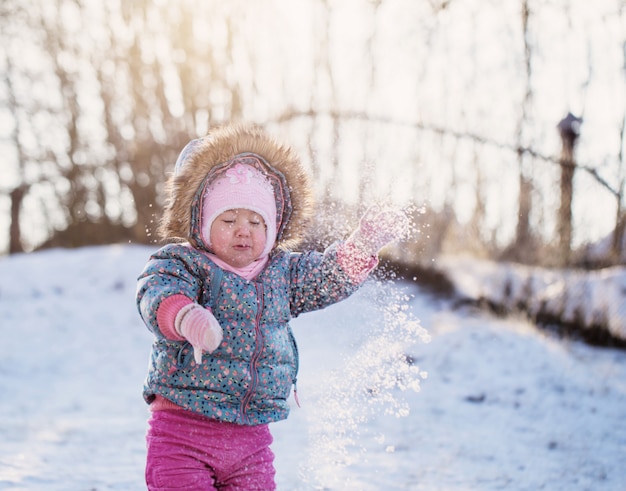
<point x="523" y="234"/>
<point x="618" y="236"/>
<point x="15" y="232"/>
<point x="523" y="250"/>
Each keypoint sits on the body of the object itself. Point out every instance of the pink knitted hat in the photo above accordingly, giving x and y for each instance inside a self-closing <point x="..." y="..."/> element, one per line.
<point x="245" y="187"/>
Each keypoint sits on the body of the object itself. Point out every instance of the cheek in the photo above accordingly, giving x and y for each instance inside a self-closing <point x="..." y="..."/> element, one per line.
<point x="216" y="235"/>
<point x="260" y="235"/>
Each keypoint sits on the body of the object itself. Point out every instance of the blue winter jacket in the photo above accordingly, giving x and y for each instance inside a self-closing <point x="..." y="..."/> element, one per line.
<point x="248" y="379"/>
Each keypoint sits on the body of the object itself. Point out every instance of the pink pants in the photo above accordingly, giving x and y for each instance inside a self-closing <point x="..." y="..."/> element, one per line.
<point x="190" y="452"/>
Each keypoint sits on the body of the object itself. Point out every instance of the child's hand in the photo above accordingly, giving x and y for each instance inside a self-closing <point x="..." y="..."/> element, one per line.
<point x="379" y="227"/>
<point x="198" y="326"/>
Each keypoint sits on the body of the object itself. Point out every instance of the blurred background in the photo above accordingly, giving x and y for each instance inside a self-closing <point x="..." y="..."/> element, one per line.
<point x="500" y="123"/>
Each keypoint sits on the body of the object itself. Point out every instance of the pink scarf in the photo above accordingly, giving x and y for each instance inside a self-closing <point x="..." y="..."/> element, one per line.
<point x="248" y="272"/>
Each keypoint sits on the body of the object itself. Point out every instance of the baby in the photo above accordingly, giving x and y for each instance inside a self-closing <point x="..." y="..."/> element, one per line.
<point x="219" y="300"/>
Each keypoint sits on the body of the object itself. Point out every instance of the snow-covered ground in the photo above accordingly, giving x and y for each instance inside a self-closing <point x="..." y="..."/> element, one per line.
<point x="588" y="299"/>
<point x="484" y="404"/>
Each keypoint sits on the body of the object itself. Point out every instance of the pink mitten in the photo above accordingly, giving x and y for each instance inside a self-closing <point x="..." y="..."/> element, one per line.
<point x="198" y="326"/>
<point x="379" y="227"/>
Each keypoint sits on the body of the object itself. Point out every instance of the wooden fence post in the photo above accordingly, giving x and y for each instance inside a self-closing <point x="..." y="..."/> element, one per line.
<point x="569" y="129"/>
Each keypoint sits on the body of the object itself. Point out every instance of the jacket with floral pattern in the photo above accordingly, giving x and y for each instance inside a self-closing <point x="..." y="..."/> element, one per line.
<point x="248" y="379"/>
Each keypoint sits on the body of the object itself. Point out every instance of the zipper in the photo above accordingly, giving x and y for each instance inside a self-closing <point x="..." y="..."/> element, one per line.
<point x="258" y="348"/>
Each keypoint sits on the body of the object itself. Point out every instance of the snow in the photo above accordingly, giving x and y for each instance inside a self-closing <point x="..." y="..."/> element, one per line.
<point x="485" y="403"/>
<point x="594" y="298"/>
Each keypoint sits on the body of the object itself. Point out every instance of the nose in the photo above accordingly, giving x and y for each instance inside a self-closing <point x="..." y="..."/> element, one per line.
<point x="243" y="229"/>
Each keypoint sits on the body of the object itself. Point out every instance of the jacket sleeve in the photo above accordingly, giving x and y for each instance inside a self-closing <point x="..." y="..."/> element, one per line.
<point x="170" y="272"/>
<point x="318" y="280"/>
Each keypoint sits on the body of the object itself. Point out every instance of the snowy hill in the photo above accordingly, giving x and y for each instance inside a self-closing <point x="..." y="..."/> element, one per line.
<point x="586" y="300"/>
<point x="483" y="403"/>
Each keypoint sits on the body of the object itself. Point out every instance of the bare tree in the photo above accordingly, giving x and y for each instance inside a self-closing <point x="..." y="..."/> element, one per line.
<point x="523" y="250"/>
<point x="619" y="235"/>
<point x="17" y="193"/>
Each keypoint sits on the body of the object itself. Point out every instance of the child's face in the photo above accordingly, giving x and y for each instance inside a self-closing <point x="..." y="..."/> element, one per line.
<point x="238" y="237"/>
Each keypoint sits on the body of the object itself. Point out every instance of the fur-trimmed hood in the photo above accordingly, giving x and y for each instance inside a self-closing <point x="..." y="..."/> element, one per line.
<point x="205" y="159"/>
